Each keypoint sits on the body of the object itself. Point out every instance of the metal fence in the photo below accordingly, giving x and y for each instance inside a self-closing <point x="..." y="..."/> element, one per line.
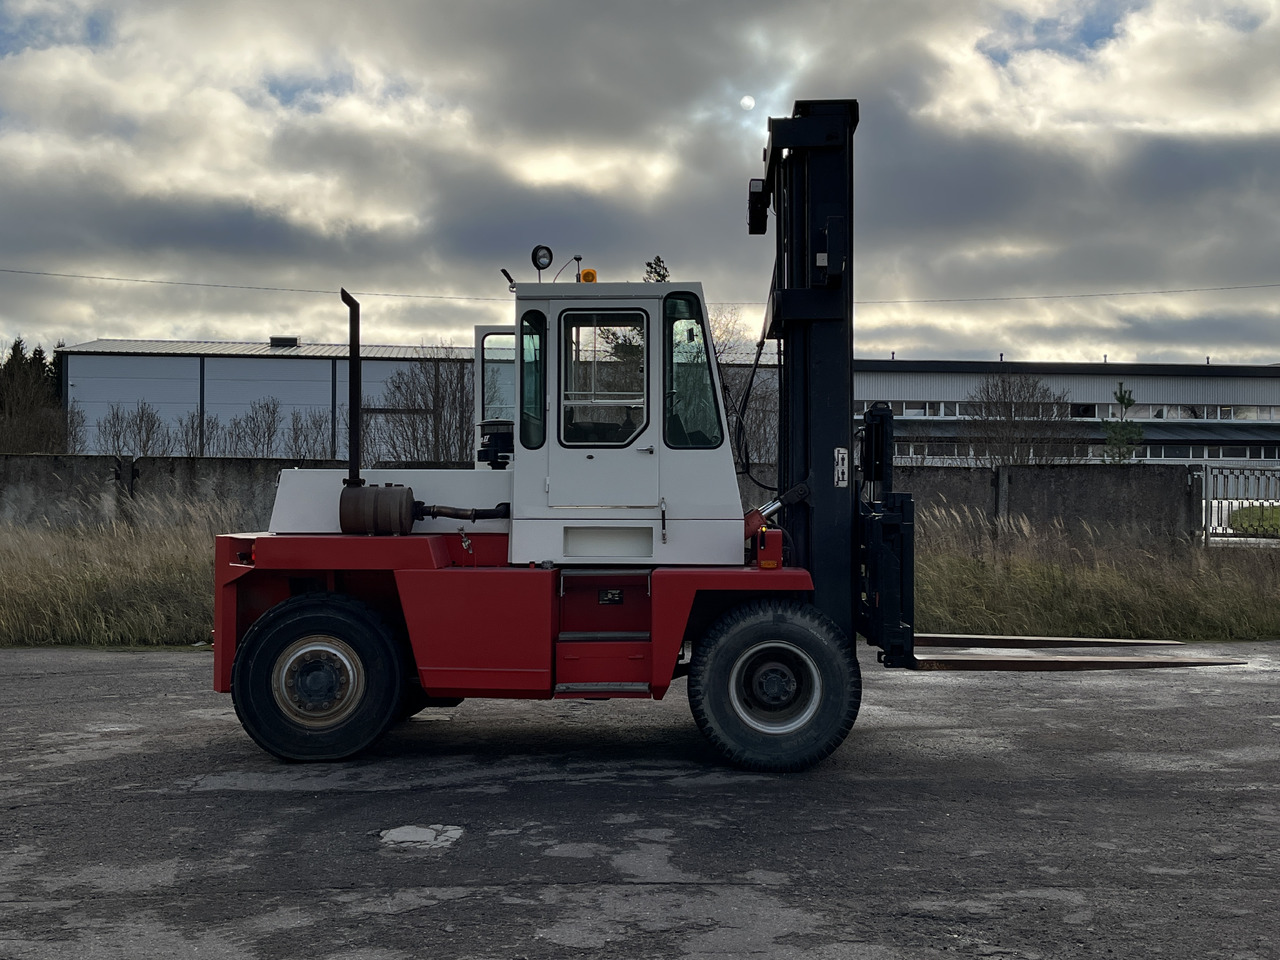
<point x="1241" y="502"/>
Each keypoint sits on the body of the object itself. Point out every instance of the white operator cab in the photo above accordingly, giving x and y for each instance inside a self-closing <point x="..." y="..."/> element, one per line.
<point x="621" y="449"/>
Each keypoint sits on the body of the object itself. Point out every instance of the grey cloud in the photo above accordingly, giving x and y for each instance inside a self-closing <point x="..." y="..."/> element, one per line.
<point x="946" y="208"/>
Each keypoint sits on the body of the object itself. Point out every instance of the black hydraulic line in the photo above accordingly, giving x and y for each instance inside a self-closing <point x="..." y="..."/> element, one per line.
<point x="422" y="511"/>
<point x="742" y="444"/>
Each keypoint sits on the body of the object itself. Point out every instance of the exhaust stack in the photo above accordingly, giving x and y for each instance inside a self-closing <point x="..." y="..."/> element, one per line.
<point x="373" y="511"/>
<point x="355" y="400"/>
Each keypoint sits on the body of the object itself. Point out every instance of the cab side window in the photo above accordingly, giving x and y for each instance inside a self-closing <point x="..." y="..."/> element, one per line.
<point x="691" y="409"/>
<point x="533" y="379"/>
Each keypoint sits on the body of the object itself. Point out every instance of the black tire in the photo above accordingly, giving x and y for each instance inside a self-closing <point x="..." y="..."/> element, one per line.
<point x="317" y="677"/>
<point x="775" y="686"/>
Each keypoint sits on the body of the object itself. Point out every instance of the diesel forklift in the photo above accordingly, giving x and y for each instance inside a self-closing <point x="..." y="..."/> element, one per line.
<point x="598" y="549"/>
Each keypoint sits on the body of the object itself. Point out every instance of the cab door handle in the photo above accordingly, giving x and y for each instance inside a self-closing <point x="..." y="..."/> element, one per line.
<point x="648" y="449"/>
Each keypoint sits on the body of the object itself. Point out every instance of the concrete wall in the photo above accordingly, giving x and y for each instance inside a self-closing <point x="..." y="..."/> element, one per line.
<point x="65" y="490"/>
<point x="61" y="491"/>
<point x="69" y="490"/>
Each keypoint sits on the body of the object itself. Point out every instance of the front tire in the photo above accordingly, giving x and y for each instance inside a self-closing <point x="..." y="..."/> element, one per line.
<point x="317" y="677"/>
<point x="775" y="686"/>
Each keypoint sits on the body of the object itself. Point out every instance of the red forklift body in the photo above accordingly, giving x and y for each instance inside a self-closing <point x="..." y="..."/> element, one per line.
<point x="478" y="627"/>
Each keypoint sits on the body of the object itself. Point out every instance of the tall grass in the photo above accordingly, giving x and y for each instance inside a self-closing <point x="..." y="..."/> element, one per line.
<point x="146" y="579"/>
<point x="1080" y="580"/>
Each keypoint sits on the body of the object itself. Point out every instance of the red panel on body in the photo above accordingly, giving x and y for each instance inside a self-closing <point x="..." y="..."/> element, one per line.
<point x="415" y="552"/>
<point x="602" y="662"/>
<point x="675" y="588"/>
<point x="768" y="549"/>
<point x="604" y="602"/>
<point x="227" y="569"/>
<point x="486" y="632"/>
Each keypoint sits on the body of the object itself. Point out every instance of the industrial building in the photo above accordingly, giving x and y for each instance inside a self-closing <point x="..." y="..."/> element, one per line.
<point x="1188" y="413"/>
<point x="221" y="380"/>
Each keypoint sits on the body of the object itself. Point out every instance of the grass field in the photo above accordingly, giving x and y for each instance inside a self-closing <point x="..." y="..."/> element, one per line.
<point x="1055" y="580"/>
<point x="1259" y="521"/>
<point x="148" y="580"/>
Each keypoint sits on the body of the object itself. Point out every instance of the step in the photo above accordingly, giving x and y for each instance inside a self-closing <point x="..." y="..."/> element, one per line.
<point x="602" y="636"/>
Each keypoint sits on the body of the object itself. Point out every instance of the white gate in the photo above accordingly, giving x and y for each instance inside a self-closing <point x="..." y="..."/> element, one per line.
<point x="1241" y="502"/>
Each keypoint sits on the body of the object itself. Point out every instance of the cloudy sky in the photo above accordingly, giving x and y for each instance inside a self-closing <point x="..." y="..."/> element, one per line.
<point x="1009" y="153"/>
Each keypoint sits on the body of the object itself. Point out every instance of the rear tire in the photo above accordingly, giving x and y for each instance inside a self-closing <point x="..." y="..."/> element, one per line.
<point x="317" y="677"/>
<point x="775" y="686"/>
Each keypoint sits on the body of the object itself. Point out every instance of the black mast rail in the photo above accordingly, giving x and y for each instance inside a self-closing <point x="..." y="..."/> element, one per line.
<point x="850" y="529"/>
<point x="858" y="550"/>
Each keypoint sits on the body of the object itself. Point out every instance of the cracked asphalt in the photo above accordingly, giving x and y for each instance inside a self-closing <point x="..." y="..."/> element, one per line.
<point x="1129" y="814"/>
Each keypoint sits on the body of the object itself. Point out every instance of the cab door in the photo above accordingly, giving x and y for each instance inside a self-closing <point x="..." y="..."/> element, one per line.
<point x="607" y="440"/>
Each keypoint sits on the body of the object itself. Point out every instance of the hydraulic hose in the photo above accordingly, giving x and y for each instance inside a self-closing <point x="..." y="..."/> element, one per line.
<point x="422" y="512"/>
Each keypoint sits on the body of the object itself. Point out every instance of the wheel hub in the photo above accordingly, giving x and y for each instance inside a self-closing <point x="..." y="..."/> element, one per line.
<point x="318" y="681"/>
<point x="775" y="687"/>
<point x="774" y="684"/>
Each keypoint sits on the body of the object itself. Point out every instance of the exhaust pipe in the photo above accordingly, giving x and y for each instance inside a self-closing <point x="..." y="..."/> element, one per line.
<point x="372" y="511"/>
<point x="389" y="510"/>
<point x="355" y="399"/>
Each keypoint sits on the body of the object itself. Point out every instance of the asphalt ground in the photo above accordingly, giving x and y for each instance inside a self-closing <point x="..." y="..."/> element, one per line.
<point x="1125" y="815"/>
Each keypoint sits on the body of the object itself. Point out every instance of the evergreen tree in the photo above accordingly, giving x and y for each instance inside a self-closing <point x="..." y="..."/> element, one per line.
<point x="655" y="271"/>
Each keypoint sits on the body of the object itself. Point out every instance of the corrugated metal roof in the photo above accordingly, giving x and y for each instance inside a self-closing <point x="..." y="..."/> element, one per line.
<point x="232" y="348"/>
<point x="1182" y="431"/>
<point x="1048" y="368"/>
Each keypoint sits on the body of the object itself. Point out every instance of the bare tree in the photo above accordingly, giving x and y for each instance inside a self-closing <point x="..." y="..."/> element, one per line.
<point x="140" y="432"/>
<point x="77" y="429"/>
<point x="426" y="410"/>
<point x="753" y="425"/>
<point x="1016" y="418"/>
<point x="257" y="433"/>
<point x="146" y="432"/>
<point x="186" y="435"/>
<point x="111" y="429"/>
<point x="217" y="438"/>
<point x="308" y="434"/>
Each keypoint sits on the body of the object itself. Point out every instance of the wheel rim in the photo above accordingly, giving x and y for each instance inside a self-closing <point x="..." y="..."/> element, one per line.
<point x="318" y="681"/>
<point x="775" y="687"/>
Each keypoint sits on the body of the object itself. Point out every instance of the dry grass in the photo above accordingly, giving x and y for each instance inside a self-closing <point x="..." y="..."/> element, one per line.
<point x="147" y="580"/>
<point x="1084" y="581"/>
